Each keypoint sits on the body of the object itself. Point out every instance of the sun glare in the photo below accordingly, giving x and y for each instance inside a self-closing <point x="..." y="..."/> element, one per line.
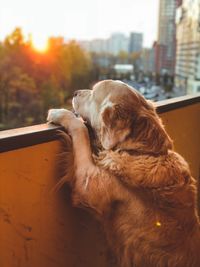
<point x="40" y="44"/>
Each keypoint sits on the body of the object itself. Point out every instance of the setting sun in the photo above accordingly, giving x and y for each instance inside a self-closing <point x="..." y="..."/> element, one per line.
<point x="40" y="44"/>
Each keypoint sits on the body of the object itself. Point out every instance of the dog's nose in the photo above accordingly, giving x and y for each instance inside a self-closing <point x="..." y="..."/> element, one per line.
<point x="75" y="93"/>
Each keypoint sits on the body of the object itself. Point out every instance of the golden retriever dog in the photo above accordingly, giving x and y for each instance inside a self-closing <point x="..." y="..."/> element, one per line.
<point x="138" y="186"/>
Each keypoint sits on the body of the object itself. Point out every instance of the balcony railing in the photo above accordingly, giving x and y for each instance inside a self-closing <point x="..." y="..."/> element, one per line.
<point x="38" y="226"/>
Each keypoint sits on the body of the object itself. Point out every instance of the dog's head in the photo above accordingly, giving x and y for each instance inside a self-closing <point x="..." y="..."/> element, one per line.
<point x="121" y="117"/>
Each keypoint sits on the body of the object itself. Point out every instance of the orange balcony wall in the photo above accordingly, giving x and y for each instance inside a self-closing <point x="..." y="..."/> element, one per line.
<point x="38" y="226"/>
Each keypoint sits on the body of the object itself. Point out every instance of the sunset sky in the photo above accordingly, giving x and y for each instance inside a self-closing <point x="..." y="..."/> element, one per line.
<point x="80" y="19"/>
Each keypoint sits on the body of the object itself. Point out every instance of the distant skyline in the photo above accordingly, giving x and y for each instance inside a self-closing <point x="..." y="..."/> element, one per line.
<point x="80" y="20"/>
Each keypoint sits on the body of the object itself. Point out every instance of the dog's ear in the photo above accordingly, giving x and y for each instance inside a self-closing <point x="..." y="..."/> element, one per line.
<point x="150" y="132"/>
<point x="115" y="121"/>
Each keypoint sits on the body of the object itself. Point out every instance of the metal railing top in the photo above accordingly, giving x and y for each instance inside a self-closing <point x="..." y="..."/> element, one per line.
<point x="37" y="134"/>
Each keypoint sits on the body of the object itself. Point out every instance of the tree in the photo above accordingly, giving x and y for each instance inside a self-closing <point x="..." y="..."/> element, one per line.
<point x="31" y="82"/>
<point x="15" y="39"/>
<point x="123" y="57"/>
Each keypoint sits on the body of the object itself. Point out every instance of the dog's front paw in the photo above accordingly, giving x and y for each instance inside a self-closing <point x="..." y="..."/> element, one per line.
<point x="64" y="118"/>
<point x="60" y="116"/>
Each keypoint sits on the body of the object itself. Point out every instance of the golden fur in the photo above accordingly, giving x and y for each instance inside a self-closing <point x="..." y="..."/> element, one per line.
<point x="138" y="187"/>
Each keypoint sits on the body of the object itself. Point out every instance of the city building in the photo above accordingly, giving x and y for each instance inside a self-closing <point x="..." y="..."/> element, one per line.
<point x="117" y="43"/>
<point x="96" y="45"/>
<point x="188" y="46"/>
<point x="148" y="60"/>
<point x="124" y="68"/>
<point x="135" y="42"/>
<point x="166" y="45"/>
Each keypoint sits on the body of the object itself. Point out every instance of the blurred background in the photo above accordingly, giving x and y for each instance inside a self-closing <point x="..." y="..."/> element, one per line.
<point x="48" y="49"/>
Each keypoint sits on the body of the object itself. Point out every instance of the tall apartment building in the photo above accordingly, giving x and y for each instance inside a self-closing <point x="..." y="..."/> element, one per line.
<point x="188" y="46"/>
<point x="166" y="45"/>
<point x="135" y="42"/>
<point x="117" y="42"/>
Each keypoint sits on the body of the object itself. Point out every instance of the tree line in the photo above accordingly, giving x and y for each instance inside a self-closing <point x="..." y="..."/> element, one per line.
<point x="32" y="82"/>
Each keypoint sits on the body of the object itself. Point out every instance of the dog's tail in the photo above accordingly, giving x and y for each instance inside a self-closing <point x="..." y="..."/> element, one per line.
<point x="65" y="160"/>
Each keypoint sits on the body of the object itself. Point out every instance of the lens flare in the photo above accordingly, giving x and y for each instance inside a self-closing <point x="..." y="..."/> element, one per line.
<point x="158" y="224"/>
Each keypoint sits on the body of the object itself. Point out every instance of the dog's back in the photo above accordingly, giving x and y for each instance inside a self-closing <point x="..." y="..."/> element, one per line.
<point x="157" y="224"/>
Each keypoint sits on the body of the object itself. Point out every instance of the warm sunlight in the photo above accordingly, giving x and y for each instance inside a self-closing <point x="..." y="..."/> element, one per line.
<point x="40" y="44"/>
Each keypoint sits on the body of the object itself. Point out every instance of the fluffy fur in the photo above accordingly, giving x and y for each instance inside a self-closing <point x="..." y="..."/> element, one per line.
<point x="136" y="185"/>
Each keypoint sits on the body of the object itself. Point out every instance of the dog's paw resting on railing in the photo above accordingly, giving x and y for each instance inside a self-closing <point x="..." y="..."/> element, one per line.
<point x="73" y="125"/>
